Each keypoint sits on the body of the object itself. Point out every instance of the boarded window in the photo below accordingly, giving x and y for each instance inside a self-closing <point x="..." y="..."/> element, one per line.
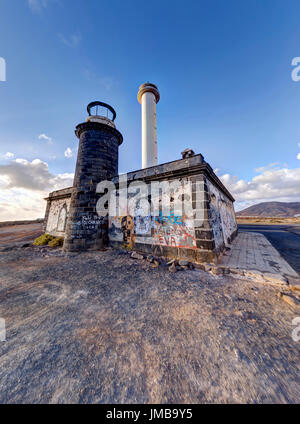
<point x="62" y="219"/>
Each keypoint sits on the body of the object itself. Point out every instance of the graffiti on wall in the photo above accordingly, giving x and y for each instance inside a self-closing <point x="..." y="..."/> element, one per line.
<point x="172" y="219"/>
<point x="127" y="228"/>
<point x="228" y="220"/>
<point x="175" y="234"/>
<point x="221" y="215"/>
<point x="90" y="222"/>
<point x="122" y="229"/>
<point x="215" y="219"/>
<point x="152" y="230"/>
<point x="137" y="225"/>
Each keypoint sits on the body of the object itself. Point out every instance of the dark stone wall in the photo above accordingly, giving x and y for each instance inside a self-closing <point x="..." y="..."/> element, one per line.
<point x="97" y="160"/>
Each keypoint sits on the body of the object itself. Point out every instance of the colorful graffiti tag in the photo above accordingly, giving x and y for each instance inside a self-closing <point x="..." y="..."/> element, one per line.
<point x="171" y="219"/>
<point x="174" y="234"/>
<point x="136" y="225"/>
<point x="221" y="216"/>
<point x="177" y="232"/>
<point x="127" y="228"/>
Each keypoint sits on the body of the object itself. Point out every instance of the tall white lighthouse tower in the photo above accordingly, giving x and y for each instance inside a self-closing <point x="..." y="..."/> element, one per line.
<point x="148" y="96"/>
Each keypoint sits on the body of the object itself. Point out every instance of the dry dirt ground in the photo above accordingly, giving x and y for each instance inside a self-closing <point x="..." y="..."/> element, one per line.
<point x="19" y="234"/>
<point x="104" y="328"/>
<point x="268" y="221"/>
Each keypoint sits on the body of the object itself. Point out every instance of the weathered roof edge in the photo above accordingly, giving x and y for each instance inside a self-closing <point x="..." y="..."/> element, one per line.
<point x="176" y="168"/>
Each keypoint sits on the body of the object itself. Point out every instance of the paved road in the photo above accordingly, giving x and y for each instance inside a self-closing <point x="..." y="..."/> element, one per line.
<point x="285" y="238"/>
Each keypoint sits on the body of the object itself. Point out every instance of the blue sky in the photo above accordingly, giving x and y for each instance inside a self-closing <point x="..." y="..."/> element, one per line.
<point x="223" y="69"/>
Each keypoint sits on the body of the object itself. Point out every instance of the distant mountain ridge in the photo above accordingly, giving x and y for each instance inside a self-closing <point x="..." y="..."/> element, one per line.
<point x="272" y="209"/>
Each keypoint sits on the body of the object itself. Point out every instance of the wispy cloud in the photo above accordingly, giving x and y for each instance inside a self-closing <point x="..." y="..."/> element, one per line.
<point x="107" y="82"/>
<point x="9" y="155"/>
<point x="298" y="156"/>
<point x="37" y="5"/>
<point x="71" y="40"/>
<point x="268" y="167"/>
<point x="45" y="137"/>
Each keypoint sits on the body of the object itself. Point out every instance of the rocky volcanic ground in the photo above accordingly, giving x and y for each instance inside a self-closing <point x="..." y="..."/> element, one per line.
<point x="104" y="328"/>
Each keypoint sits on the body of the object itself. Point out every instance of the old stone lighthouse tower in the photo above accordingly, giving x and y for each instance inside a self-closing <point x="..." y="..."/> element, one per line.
<point x="198" y="234"/>
<point x="97" y="160"/>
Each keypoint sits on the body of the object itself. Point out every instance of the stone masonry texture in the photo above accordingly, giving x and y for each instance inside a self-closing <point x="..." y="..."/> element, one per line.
<point x="97" y="160"/>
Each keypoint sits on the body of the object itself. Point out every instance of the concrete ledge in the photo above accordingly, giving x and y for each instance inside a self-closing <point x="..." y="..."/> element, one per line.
<point x="193" y="167"/>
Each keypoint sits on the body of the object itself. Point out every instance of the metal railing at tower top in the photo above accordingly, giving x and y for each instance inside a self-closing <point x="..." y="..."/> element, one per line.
<point x="101" y="109"/>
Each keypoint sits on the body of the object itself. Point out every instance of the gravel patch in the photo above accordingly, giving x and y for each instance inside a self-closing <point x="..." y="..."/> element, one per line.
<point x="102" y="327"/>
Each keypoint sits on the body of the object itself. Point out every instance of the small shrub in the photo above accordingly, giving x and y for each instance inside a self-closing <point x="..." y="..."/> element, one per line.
<point x="56" y="242"/>
<point x="43" y="240"/>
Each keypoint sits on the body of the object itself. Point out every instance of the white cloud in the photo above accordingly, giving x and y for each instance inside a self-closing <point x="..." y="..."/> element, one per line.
<point x="279" y="184"/>
<point x="9" y="155"/>
<point x="68" y="153"/>
<point x="268" y="167"/>
<point x="19" y="204"/>
<point x="106" y="82"/>
<point x="298" y="156"/>
<point x="70" y="41"/>
<point x="45" y="137"/>
<point x="37" y="5"/>
<point x="34" y="175"/>
<point x="23" y="186"/>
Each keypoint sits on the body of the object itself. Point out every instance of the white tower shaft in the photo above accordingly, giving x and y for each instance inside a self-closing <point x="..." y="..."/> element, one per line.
<point x="149" y="130"/>
<point x="148" y="96"/>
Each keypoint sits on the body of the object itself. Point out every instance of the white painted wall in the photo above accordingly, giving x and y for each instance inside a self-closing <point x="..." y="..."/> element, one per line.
<point x="55" y="222"/>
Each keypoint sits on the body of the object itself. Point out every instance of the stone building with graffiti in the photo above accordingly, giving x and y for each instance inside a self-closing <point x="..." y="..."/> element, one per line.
<point x="198" y="235"/>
